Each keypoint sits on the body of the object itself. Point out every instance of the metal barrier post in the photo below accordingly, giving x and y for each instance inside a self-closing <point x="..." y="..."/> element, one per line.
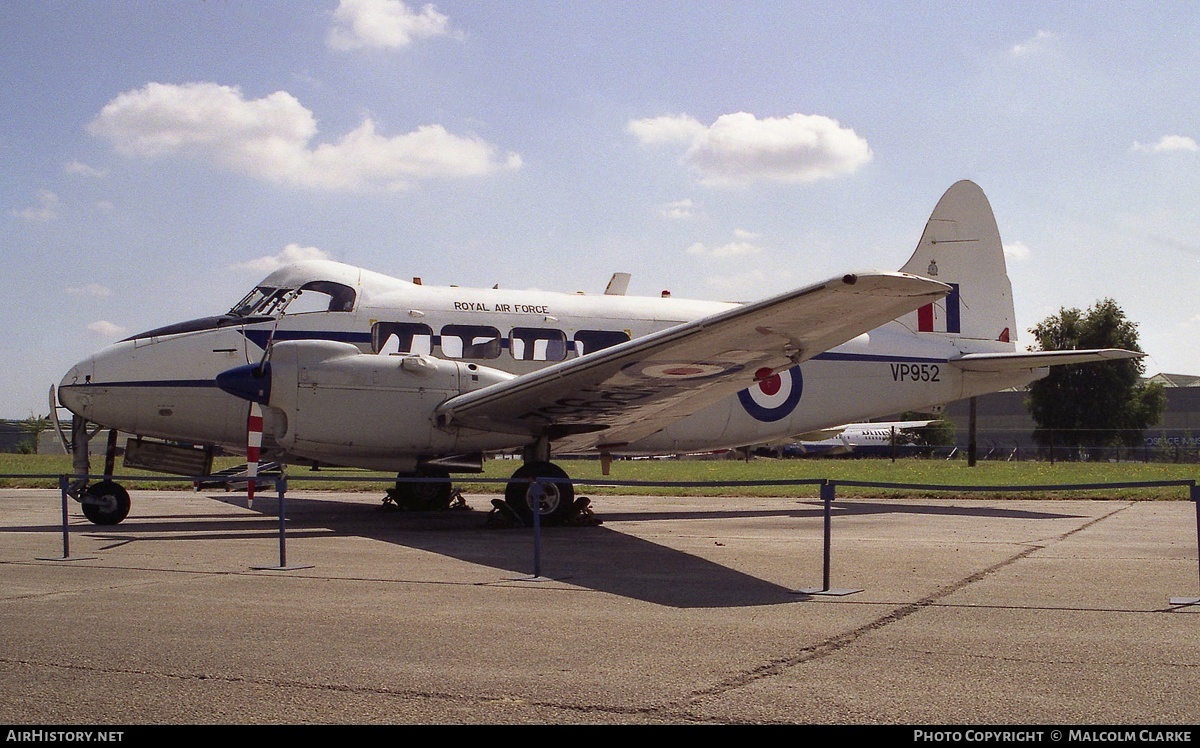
<point x="281" y="489"/>
<point x="828" y="493"/>
<point x="537" y="492"/>
<point x="64" y="485"/>
<point x="1194" y="495"/>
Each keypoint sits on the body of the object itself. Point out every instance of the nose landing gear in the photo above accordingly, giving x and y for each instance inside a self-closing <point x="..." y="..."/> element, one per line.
<point x="105" y="503"/>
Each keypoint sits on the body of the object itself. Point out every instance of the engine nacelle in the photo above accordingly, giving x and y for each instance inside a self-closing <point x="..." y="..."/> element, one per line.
<point x="330" y="402"/>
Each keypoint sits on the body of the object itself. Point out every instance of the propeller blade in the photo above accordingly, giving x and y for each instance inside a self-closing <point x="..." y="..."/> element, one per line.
<point x="266" y="355"/>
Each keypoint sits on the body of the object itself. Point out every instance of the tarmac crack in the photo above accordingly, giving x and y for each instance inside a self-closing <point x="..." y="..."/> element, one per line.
<point x="837" y="643"/>
<point x="657" y="713"/>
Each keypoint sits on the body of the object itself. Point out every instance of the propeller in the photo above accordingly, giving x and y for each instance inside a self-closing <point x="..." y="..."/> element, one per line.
<point x="259" y="377"/>
<point x="262" y="362"/>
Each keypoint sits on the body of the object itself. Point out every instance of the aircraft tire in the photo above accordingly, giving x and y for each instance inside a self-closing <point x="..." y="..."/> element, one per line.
<point x="106" y="503"/>
<point x="418" y="495"/>
<point x="434" y="494"/>
<point x="558" y="502"/>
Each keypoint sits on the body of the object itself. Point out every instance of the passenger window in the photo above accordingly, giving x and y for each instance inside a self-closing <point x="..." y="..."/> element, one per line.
<point x="537" y="344"/>
<point x="590" y="341"/>
<point x="401" y="337"/>
<point x="470" y="341"/>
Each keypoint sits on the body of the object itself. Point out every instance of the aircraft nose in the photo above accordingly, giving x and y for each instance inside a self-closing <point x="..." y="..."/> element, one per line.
<point x="251" y="382"/>
<point x="72" y="392"/>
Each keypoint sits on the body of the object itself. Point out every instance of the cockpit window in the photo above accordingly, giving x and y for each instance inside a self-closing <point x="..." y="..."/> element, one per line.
<point x="322" y="296"/>
<point x="261" y="301"/>
<point x="316" y="296"/>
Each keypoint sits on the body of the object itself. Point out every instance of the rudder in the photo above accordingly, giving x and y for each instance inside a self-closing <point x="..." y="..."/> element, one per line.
<point x="961" y="246"/>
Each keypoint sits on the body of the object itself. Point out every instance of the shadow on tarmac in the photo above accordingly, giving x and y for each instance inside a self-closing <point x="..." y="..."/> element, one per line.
<point x="594" y="557"/>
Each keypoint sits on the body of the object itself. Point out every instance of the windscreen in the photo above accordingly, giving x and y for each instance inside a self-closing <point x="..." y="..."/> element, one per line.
<point x="314" y="296"/>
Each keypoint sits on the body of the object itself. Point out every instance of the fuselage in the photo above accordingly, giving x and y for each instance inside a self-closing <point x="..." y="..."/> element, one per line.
<point x="162" y="383"/>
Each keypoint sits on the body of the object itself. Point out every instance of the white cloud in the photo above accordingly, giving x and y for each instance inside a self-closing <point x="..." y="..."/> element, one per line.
<point x="740" y="148"/>
<point x="1040" y="40"/>
<point x="668" y="129"/>
<point x="1016" y="251"/>
<point x="748" y="284"/>
<point x="678" y="210"/>
<point x="269" y="138"/>
<point x="82" y="169"/>
<point x="731" y="249"/>
<point x="291" y="253"/>
<point x="1167" y="144"/>
<point x="106" y="329"/>
<point x="387" y="24"/>
<point x="45" y="210"/>
<point x="91" y="289"/>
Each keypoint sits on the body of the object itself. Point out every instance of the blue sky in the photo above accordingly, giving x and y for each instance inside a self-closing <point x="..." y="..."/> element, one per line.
<point x="157" y="158"/>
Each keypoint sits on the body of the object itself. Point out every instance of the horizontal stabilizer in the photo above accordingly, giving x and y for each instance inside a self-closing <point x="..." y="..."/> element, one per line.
<point x="995" y="362"/>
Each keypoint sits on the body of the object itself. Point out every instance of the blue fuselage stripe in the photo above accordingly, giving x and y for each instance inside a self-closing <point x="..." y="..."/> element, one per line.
<point x="207" y="383"/>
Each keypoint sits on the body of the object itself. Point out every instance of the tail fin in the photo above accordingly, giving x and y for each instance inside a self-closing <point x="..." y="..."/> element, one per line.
<point x="961" y="246"/>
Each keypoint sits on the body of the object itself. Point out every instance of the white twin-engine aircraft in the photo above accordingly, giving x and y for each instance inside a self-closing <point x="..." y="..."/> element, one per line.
<point x="390" y="375"/>
<point x="856" y="437"/>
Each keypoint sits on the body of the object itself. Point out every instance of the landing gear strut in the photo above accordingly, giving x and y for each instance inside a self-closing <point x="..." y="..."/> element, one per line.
<point x="103" y="503"/>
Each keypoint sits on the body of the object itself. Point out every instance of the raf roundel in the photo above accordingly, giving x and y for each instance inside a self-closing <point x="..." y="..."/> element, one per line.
<point x="682" y="370"/>
<point x="774" y="396"/>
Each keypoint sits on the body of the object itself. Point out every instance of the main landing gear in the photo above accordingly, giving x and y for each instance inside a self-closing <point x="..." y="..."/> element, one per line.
<point x="412" y="493"/>
<point x="539" y="484"/>
<point x="543" y="487"/>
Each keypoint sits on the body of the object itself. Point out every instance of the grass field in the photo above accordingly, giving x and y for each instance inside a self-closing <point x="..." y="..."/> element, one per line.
<point x="40" y="471"/>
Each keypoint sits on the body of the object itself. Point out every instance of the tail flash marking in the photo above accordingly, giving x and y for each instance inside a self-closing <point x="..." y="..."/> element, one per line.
<point x="928" y="319"/>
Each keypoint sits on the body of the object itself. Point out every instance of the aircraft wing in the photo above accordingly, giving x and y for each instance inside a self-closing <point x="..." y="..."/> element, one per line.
<point x="996" y="362"/>
<point x="624" y="393"/>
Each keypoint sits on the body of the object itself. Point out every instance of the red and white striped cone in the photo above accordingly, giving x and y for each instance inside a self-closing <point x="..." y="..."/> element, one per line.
<point x="254" y="427"/>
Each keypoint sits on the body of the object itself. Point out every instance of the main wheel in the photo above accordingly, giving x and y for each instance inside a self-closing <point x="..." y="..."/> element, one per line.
<point x="557" y="494"/>
<point x="432" y="494"/>
<point x="105" y="503"/>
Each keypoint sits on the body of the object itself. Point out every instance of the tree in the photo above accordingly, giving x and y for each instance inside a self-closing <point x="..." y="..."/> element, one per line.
<point x="33" y="428"/>
<point x="939" y="433"/>
<point x="1086" y="409"/>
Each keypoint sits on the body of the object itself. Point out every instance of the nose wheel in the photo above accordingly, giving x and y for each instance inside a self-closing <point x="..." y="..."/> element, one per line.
<point x="105" y="503"/>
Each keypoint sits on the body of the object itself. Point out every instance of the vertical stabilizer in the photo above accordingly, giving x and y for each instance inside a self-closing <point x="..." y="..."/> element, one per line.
<point x="618" y="284"/>
<point x="961" y="246"/>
